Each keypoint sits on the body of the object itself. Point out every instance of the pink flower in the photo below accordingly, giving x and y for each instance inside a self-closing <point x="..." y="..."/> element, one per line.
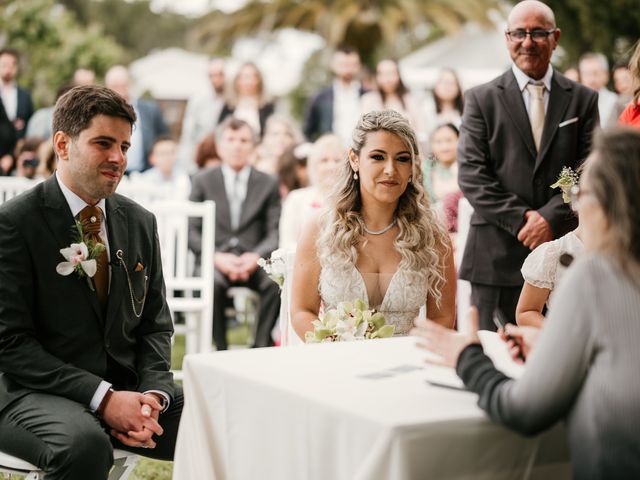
<point x="76" y="259"/>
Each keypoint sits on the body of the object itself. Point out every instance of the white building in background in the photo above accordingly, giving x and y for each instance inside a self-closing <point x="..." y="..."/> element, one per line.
<point x="475" y="53"/>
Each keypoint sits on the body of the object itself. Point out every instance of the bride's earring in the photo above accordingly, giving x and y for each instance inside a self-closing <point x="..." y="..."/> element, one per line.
<point x="410" y="179"/>
<point x="355" y="175"/>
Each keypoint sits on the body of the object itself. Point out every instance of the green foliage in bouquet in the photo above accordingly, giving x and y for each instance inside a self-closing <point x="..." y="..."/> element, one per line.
<point x="349" y="321"/>
<point x="567" y="179"/>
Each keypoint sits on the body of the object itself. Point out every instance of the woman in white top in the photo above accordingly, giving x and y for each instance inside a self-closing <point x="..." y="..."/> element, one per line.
<point x="391" y="93"/>
<point x="544" y="266"/>
<point x="378" y="240"/>
<point x="323" y="162"/>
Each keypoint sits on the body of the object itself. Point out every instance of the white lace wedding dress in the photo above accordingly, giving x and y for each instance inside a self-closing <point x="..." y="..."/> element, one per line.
<point x="397" y="296"/>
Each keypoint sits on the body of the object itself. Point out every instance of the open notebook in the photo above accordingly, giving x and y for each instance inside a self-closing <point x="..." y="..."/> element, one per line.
<point x="495" y="349"/>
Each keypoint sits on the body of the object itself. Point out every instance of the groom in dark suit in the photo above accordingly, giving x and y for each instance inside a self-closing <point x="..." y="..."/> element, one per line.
<point x="247" y="216"/>
<point x="518" y="131"/>
<point x="84" y="347"/>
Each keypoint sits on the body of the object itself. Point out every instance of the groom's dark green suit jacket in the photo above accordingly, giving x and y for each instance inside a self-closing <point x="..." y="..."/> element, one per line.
<point x="54" y="337"/>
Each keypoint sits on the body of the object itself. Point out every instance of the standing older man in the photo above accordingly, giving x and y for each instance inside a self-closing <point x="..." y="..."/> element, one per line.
<point x="84" y="343"/>
<point x="247" y="216"/>
<point x="518" y="131"/>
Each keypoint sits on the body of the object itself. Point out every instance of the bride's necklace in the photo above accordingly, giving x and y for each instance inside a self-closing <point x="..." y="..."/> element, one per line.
<point x="379" y="232"/>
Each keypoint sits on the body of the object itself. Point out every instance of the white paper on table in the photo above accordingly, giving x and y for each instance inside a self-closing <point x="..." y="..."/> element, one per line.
<point x="496" y="349"/>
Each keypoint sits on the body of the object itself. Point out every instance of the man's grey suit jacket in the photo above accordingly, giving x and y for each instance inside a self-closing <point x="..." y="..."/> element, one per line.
<point x="503" y="176"/>
<point x="260" y="214"/>
<point x="54" y="336"/>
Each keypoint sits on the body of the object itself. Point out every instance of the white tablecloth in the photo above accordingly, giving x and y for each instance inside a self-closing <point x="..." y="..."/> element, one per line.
<point x="359" y="410"/>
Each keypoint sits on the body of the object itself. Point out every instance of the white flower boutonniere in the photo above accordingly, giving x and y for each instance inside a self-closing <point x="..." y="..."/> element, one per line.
<point x="80" y="257"/>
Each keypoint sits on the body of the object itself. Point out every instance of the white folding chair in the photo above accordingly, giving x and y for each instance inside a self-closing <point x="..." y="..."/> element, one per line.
<point x="12" y="186"/>
<point x="465" y="210"/>
<point x="123" y="464"/>
<point x="189" y="287"/>
<point x="146" y="193"/>
<point x="287" y="335"/>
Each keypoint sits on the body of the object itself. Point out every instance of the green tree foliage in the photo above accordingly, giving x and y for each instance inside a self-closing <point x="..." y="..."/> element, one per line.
<point x="133" y="24"/>
<point x="610" y="27"/>
<point x="364" y="24"/>
<point x="52" y="45"/>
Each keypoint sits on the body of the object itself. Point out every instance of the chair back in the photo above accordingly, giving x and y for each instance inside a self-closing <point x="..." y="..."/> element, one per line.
<point x="145" y="193"/>
<point x="13" y="186"/>
<point x="189" y="284"/>
<point x="465" y="210"/>
<point x="287" y="335"/>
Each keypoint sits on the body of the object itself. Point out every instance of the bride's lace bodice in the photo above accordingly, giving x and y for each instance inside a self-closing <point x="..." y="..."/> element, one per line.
<point x="397" y="296"/>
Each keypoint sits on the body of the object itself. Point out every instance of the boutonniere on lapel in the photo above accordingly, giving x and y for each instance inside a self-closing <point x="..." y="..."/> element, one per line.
<point x="80" y="256"/>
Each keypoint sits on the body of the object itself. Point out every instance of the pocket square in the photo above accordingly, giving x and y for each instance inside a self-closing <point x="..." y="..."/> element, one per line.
<point x="568" y="122"/>
<point x="139" y="267"/>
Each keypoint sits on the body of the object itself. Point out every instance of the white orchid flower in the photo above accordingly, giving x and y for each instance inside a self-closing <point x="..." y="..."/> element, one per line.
<point x="75" y="255"/>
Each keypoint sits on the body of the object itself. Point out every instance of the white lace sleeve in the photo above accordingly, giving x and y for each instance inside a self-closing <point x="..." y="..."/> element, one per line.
<point x="539" y="268"/>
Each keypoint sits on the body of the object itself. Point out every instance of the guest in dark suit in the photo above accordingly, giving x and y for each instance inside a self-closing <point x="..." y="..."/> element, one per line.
<point x="16" y="100"/>
<point x="7" y="142"/>
<point x="247" y="216"/>
<point x="518" y="131"/>
<point x="336" y="109"/>
<point x="84" y="347"/>
<point x="150" y="126"/>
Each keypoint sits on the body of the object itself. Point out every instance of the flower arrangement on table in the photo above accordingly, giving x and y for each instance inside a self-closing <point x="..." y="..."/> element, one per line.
<point x="349" y="321"/>
<point x="275" y="266"/>
<point x="566" y="180"/>
<point x="80" y="256"/>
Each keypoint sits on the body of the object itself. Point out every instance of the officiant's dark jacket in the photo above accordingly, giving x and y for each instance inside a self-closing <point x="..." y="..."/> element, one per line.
<point x="503" y="176"/>
<point x="54" y="337"/>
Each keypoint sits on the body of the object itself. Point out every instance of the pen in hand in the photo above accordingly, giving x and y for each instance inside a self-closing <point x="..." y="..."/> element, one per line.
<point x="501" y="324"/>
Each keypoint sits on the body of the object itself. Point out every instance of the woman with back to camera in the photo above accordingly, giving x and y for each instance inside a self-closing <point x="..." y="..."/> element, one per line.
<point x="378" y="240"/>
<point x="584" y="367"/>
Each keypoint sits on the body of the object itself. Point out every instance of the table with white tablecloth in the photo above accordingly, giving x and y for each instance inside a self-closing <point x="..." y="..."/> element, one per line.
<point x="352" y="410"/>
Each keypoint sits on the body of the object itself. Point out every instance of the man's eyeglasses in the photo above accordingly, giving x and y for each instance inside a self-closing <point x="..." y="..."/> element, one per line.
<point x="537" y="35"/>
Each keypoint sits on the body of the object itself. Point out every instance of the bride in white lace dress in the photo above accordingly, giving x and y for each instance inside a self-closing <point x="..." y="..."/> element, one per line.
<point x="378" y="239"/>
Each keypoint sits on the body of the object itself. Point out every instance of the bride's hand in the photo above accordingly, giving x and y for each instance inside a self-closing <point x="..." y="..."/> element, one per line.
<point x="444" y="342"/>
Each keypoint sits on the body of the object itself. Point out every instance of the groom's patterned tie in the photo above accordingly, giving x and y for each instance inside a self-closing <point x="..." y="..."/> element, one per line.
<point x="91" y="219"/>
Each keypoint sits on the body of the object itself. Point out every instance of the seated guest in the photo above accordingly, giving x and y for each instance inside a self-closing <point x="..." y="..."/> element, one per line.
<point x="247" y="214"/>
<point x="543" y="268"/>
<point x="584" y="367"/>
<point x="441" y="171"/>
<point x="27" y="159"/>
<point x="83" y="367"/>
<point x="163" y="173"/>
<point x="631" y="115"/>
<point x="378" y="240"/>
<point x="280" y="134"/>
<point x="248" y="100"/>
<point x="207" y="153"/>
<point x="325" y="158"/>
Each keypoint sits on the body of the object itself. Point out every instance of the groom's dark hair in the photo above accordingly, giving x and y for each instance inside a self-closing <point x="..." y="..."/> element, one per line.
<point x="75" y="109"/>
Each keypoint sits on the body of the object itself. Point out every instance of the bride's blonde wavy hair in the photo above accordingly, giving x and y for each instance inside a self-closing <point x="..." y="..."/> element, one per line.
<point x="422" y="239"/>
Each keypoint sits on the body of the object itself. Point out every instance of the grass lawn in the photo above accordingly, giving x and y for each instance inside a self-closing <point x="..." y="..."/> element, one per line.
<point x="148" y="469"/>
